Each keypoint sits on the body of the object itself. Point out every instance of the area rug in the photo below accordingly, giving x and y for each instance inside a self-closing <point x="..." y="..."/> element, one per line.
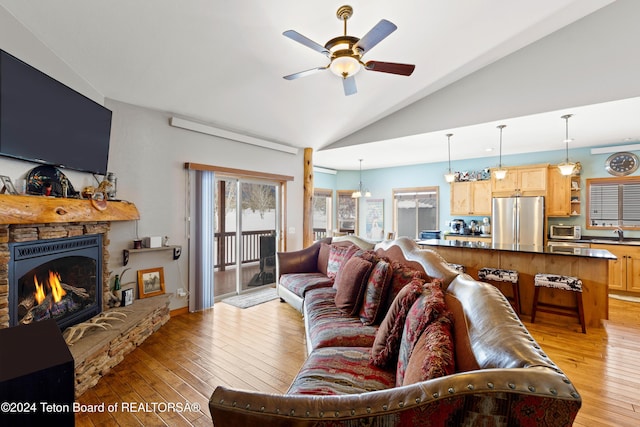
<point x="625" y="297"/>
<point x="252" y="298"/>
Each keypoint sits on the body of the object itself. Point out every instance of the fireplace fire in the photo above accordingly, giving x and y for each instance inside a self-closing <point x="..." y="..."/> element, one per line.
<point x="58" y="279"/>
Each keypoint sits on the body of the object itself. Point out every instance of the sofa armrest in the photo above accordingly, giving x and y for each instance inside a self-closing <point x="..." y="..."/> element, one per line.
<point x="539" y="392"/>
<point x="301" y="261"/>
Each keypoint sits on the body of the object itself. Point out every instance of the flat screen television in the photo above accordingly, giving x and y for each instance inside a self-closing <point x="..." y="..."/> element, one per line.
<point x="45" y="121"/>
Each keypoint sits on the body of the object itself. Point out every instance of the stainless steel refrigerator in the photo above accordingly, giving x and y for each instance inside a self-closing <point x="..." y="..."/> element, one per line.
<point x="518" y="221"/>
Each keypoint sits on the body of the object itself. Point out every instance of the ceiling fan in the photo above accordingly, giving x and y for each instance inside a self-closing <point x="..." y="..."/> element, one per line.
<point x="345" y="52"/>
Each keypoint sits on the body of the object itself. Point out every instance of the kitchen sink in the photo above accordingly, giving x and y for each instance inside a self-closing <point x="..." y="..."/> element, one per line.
<point x="632" y="242"/>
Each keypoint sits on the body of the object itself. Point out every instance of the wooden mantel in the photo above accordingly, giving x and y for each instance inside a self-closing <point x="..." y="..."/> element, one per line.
<point x="41" y="209"/>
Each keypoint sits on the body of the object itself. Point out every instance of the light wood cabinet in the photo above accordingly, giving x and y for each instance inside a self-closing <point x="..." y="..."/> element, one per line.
<point x="624" y="272"/>
<point x="525" y="181"/>
<point x="563" y="193"/>
<point x="471" y="198"/>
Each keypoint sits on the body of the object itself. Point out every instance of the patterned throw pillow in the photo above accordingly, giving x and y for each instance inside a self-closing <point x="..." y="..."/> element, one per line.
<point x="433" y="355"/>
<point x="350" y="284"/>
<point x="384" y="352"/>
<point x="338" y="255"/>
<point x="376" y="292"/>
<point x="402" y="275"/>
<point x="425" y="310"/>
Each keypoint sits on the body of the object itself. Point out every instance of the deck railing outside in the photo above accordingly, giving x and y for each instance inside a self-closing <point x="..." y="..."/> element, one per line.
<point x="226" y="247"/>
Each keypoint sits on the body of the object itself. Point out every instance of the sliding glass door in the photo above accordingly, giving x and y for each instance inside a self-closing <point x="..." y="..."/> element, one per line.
<point x="246" y="229"/>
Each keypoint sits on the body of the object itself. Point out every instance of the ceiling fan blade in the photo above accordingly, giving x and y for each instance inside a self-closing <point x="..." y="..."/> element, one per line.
<point x="296" y="36"/>
<point x="390" y="67"/>
<point x="378" y="33"/>
<point x="349" y="85"/>
<point x="304" y="73"/>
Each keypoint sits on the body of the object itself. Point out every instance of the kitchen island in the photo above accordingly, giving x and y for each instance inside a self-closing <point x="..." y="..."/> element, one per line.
<point x="589" y="265"/>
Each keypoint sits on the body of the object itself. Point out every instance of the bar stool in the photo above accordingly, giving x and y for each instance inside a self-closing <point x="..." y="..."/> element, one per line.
<point x="499" y="275"/>
<point x="561" y="283"/>
<point x="458" y="267"/>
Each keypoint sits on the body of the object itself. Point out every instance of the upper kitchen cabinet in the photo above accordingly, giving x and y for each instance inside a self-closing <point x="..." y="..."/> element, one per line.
<point x="563" y="193"/>
<point x="523" y="181"/>
<point x="471" y="198"/>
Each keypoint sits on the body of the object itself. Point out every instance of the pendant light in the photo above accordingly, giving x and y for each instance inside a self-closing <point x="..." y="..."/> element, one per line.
<point x="566" y="167"/>
<point x="361" y="192"/>
<point x="450" y="176"/>
<point x="500" y="172"/>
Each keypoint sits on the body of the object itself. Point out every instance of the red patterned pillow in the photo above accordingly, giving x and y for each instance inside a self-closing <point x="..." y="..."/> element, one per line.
<point x="338" y="255"/>
<point x="402" y="275"/>
<point x="426" y="309"/>
<point x="350" y="284"/>
<point x="433" y="355"/>
<point x="384" y="352"/>
<point x="376" y="292"/>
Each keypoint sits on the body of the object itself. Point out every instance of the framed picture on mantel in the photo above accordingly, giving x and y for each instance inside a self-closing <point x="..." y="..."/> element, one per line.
<point x="151" y="282"/>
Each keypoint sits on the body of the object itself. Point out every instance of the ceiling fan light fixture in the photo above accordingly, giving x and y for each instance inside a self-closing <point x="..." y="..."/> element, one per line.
<point x="345" y="66"/>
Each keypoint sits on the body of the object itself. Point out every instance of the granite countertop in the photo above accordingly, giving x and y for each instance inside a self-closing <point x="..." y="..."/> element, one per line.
<point x="569" y="251"/>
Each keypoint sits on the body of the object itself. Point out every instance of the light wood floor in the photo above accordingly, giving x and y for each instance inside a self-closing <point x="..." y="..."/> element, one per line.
<point x="262" y="348"/>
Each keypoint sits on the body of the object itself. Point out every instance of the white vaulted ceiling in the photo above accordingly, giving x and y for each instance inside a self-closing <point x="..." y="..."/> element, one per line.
<point x="222" y="63"/>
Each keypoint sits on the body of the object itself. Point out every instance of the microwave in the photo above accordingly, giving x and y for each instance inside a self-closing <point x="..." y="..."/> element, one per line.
<point x="565" y="232"/>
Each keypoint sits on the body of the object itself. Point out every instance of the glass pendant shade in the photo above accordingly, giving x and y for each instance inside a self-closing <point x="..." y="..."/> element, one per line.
<point x="500" y="173"/>
<point x="566" y="167"/>
<point x="360" y="192"/>
<point x="449" y="176"/>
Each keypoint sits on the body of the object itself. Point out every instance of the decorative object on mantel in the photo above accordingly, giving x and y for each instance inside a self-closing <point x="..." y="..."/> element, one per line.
<point x="150" y="282"/>
<point x="500" y="172"/>
<point x="7" y="185"/>
<point x="98" y="195"/>
<point x="48" y="180"/>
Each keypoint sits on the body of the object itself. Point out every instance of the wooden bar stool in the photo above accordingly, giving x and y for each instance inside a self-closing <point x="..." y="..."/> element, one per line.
<point x="458" y="267"/>
<point x="562" y="283"/>
<point x="494" y="276"/>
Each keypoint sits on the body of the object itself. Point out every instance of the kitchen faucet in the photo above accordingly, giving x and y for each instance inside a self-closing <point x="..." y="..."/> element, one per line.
<point x="620" y="232"/>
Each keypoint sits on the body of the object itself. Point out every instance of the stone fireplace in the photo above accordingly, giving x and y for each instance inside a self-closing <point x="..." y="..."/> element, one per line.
<point x="23" y="237"/>
<point x="59" y="279"/>
<point x="32" y="220"/>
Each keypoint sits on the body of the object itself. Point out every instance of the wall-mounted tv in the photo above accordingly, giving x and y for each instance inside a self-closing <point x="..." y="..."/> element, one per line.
<point x="44" y="121"/>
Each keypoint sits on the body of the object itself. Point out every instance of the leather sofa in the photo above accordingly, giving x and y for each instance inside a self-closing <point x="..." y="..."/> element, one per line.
<point x="292" y="266"/>
<point x="501" y="377"/>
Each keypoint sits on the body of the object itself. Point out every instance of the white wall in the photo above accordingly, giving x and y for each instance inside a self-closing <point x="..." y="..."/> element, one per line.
<point x="147" y="155"/>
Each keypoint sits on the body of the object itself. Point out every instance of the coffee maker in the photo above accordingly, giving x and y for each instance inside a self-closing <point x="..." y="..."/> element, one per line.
<point x="457" y="226"/>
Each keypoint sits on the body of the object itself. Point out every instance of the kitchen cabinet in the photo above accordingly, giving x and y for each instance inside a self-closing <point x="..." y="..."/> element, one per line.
<point x="563" y="193"/>
<point x="624" y="272"/>
<point x="525" y="181"/>
<point x="471" y="198"/>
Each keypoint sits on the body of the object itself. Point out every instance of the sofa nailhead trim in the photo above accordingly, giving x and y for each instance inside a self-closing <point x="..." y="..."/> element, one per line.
<point x="490" y="385"/>
<point x="553" y="391"/>
<point x="451" y="390"/>
<point x="436" y="395"/>
<point x="418" y="400"/>
<point x="368" y="410"/>
<point x="353" y="412"/>
<point x="470" y="387"/>
<point x="401" y="404"/>
<point x="234" y="404"/>
<point x="262" y="409"/>
<point x="321" y="414"/>
<point x="532" y="389"/>
<point x="293" y="412"/>
<point x="336" y="414"/>
<point x="512" y="386"/>
<point x="385" y="407"/>
<point x="308" y="414"/>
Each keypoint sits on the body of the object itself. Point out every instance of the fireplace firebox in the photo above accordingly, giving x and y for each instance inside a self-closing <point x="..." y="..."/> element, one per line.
<point x="58" y="279"/>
